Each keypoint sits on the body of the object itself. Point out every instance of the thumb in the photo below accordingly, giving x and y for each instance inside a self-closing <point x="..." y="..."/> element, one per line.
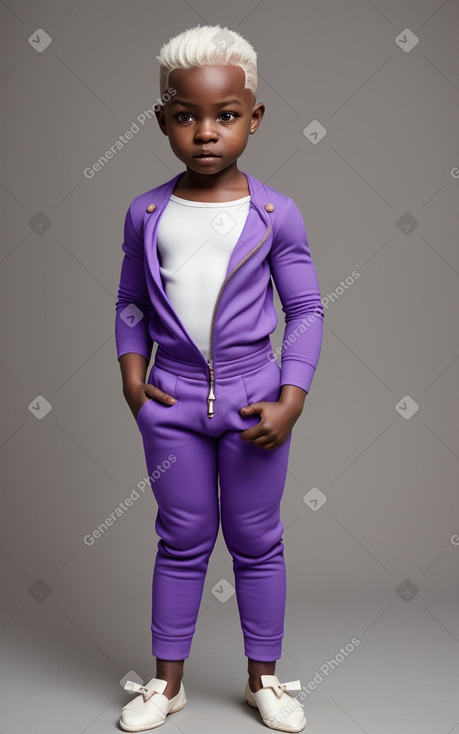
<point x="252" y="408"/>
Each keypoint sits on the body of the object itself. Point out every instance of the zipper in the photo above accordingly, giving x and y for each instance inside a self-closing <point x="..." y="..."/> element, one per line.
<point x="210" y="361"/>
<point x="211" y="395"/>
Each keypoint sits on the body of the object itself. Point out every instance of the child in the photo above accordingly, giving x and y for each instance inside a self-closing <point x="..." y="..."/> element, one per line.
<point x="201" y="253"/>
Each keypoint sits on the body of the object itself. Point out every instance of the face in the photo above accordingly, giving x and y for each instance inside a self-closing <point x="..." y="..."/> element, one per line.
<point x="211" y="112"/>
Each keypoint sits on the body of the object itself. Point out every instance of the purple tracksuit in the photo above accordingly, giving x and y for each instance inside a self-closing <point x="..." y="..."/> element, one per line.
<point x="194" y="446"/>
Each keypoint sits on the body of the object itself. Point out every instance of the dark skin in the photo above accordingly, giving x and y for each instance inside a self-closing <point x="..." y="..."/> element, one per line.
<point x="194" y="119"/>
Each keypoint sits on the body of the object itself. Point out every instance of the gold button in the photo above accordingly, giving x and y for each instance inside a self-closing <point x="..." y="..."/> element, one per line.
<point x="151" y="208"/>
<point x="269" y="207"/>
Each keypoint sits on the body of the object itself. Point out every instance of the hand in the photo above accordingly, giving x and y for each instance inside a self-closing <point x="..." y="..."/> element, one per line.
<point x="135" y="395"/>
<point x="276" y="421"/>
<point x="277" y="418"/>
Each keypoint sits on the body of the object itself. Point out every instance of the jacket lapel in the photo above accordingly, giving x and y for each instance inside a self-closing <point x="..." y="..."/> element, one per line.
<point x="255" y="226"/>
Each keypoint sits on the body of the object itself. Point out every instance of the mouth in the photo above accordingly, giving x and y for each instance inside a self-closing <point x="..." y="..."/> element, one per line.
<point x="206" y="155"/>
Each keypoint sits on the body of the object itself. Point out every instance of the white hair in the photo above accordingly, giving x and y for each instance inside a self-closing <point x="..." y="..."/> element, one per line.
<point x="208" y="46"/>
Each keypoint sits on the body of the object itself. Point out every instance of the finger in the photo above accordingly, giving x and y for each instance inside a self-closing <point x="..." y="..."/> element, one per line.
<point x="162" y="397"/>
<point x="254" y="432"/>
<point x="274" y="443"/>
<point x="262" y="435"/>
<point x="268" y="444"/>
<point x="251" y="409"/>
<point x="263" y="442"/>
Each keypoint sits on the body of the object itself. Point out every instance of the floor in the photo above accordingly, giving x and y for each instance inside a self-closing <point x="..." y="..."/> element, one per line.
<point x="398" y="672"/>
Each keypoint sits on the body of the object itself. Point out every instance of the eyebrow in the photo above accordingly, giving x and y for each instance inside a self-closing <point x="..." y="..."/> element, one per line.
<point x="192" y="104"/>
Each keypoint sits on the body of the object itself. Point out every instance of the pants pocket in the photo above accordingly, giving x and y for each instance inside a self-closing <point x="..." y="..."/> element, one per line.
<point x="141" y="410"/>
<point x="263" y="384"/>
<point x="153" y="411"/>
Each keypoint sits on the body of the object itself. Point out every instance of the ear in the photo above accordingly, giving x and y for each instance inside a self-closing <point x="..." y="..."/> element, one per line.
<point x="257" y="114"/>
<point x="161" y="117"/>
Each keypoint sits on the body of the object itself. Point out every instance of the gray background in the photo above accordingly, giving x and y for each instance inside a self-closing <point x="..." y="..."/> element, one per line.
<point x="378" y="561"/>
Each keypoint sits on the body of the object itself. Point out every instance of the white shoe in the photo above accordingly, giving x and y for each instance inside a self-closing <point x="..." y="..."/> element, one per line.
<point x="149" y="709"/>
<point x="278" y="708"/>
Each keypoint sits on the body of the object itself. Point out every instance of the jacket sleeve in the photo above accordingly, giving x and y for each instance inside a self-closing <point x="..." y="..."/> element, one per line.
<point x="295" y="277"/>
<point x="133" y="307"/>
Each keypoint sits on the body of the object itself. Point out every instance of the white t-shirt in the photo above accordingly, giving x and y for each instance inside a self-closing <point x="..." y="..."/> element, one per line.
<point x="195" y="242"/>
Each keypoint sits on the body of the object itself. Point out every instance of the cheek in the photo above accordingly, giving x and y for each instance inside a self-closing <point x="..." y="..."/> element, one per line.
<point x="179" y="143"/>
<point x="238" y="136"/>
<point x="175" y="141"/>
<point x="177" y="134"/>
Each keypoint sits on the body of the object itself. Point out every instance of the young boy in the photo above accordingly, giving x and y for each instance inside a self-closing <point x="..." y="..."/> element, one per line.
<point x="201" y="254"/>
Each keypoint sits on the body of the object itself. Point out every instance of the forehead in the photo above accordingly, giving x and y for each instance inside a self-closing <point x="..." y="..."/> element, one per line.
<point x="210" y="83"/>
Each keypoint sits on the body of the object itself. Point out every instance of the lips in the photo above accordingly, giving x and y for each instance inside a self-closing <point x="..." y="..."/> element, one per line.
<point x="206" y="154"/>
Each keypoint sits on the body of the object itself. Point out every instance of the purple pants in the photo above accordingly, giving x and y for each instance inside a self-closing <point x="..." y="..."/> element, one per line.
<point x="188" y="455"/>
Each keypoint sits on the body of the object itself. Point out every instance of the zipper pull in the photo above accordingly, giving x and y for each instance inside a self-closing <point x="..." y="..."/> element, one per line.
<point x="211" y="395"/>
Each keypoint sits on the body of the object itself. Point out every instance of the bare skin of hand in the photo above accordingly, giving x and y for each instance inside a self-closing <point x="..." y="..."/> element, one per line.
<point x="276" y="418"/>
<point x="135" y="390"/>
<point x="135" y="395"/>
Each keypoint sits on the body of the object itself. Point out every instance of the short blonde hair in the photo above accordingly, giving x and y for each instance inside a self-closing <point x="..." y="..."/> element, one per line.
<point x="208" y="46"/>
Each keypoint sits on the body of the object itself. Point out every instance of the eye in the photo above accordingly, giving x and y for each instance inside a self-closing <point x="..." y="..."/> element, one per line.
<point x="229" y="113"/>
<point x="180" y="114"/>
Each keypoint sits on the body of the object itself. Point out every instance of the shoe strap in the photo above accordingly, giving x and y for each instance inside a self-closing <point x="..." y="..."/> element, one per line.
<point x="272" y="681"/>
<point x="156" y="685"/>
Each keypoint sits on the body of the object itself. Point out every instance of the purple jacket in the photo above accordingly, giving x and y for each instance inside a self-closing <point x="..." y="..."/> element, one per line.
<point x="273" y="243"/>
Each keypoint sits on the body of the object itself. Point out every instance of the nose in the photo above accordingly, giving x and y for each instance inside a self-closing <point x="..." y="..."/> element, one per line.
<point x="206" y="131"/>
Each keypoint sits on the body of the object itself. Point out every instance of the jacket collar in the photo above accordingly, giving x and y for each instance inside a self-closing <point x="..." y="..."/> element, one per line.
<point x="255" y="226"/>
